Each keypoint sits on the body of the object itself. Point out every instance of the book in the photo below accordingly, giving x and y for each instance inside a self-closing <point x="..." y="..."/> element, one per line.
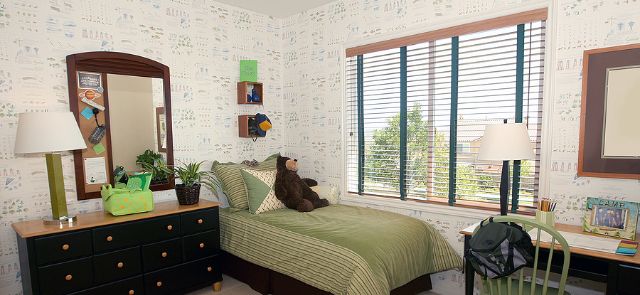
<point x="627" y="247"/>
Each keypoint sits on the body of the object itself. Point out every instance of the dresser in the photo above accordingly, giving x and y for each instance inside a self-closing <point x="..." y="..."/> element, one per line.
<point x="172" y="250"/>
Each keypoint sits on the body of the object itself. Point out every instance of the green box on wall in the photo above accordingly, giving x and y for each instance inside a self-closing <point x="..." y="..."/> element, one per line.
<point x="249" y="71"/>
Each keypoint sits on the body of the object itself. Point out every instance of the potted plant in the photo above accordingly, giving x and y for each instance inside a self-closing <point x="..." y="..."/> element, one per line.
<point x="188" y="192"/>
<point x="153" y="162"/>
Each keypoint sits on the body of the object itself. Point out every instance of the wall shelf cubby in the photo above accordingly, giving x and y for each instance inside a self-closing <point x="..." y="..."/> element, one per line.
<point x="244" y="121"/>
<point x="245" y="88"/>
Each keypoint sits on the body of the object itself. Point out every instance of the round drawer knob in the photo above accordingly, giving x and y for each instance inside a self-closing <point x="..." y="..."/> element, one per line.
<point x="131" y="292"/>
<point x="169" y="227"/>
<point x="65" y="247"/>
<point x="164" y="254"/>
<point x="68" y="277"/>
<point x="159" y="283"/>
<point x="120" y="265"/>
<point x="201" y="245"/>
<point x="209" y="268"/>
<point x="200" y="221"/>
<point x="109" y="238"/>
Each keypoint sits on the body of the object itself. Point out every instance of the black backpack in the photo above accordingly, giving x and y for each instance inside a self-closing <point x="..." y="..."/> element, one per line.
<point x="499" y="249"/>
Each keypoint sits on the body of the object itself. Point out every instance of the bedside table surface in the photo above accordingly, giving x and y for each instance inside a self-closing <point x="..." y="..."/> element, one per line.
<point x="33" y="228"/>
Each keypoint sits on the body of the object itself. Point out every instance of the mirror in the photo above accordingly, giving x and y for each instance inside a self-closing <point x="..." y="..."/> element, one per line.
<point x="609" y="135"/>
<point x="122" y="103"/>
<point x="133" y="103"/>
<point x="621" y="135"/>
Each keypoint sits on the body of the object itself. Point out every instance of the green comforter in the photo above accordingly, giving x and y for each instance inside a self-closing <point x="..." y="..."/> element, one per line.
<point x="339" y="249"/>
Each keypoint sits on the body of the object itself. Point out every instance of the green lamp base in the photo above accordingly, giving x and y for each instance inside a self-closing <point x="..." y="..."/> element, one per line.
<point x="59" y="212"/>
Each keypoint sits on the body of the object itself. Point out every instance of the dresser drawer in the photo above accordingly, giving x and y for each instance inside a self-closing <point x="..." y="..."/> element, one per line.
<point x="162" y="228"/>
<point x="199" y="221"/>
<point x="201" y="245"/>
<point x="166" y="281"/>
<point x="161" y="254"/>
<point x="63" y="247"/>
<point x="66" y="277"/>
<point x="109" y="238"/>
<point x="130" y="286"/>
<point x="203" y="271"/>
<point x="627" y="279"/>
<point x="116" y="265"/>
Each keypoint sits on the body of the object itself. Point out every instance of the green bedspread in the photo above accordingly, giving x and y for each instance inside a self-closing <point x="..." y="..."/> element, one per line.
<point x="340" y="249"/>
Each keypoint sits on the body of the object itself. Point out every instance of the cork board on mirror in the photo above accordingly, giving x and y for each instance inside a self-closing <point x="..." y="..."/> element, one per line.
<point x="91" y="105"/>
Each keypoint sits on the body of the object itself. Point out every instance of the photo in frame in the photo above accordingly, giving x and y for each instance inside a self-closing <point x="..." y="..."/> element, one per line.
<point x="613" y="218"/>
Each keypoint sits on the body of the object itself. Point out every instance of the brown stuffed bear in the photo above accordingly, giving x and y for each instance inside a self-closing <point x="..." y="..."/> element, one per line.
<point x="294" y="191"/>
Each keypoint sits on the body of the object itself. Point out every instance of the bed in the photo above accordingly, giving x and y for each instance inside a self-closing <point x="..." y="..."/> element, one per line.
<point x="337" y="249"/>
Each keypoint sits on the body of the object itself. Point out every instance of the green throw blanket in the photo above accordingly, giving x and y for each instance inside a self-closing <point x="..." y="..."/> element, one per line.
<point x="340" y="249"/>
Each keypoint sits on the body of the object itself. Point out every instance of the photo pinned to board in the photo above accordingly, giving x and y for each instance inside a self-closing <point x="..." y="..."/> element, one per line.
<point x="614" y="218"/>
<point x="88" y="80"/>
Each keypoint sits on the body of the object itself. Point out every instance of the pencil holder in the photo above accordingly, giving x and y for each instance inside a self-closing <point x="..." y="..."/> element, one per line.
<point x="547" y="217"/>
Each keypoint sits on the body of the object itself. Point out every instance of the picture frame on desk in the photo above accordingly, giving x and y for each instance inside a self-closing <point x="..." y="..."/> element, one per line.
<point x="613" y="218"/>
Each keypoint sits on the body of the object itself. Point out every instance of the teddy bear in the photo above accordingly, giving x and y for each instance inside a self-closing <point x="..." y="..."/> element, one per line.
<point x="293" y="191"/>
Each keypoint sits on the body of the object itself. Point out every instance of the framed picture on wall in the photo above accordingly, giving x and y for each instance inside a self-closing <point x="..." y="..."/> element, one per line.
<point x="609" y="139"/>
<point x="614" y="218"/>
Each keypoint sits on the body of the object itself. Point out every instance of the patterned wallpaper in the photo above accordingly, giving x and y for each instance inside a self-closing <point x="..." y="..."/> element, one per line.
<point x="299" y="61"/>
<point x="312" y="55"/>
<point x="201" y="41"/>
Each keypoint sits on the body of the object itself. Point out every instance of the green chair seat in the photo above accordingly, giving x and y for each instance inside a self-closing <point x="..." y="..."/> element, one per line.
<point x="526" y="288"/>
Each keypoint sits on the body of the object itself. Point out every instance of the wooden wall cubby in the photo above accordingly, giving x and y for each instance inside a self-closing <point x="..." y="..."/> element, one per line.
<point x="243" y="126"/>
<point x="242" y="92"/>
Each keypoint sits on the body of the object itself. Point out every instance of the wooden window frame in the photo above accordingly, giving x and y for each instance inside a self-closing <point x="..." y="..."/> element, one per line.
<point x="450" y="32"/>
<point x="474" y="27"/>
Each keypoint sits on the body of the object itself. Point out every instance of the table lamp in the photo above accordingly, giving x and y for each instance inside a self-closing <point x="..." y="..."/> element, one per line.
<point x="505" y="142"/>
<point x="50" y="133"/>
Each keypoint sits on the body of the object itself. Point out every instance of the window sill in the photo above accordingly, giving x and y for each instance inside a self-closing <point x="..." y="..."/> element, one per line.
<point x="467" y="209"/>
<point x="478" y="205"/>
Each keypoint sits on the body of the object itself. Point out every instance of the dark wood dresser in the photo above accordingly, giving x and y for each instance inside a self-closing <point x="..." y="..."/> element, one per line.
<point x="172" y="250"/>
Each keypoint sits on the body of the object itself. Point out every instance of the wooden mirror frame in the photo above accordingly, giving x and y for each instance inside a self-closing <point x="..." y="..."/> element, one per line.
<point x="121" y="64"/>
<point x="594" y="67"/>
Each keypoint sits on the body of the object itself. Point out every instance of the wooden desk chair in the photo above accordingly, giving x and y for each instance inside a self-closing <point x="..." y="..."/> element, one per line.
<point x="516" y="284"/>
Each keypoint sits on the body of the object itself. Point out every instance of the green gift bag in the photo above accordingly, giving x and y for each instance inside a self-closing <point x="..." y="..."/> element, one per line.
<point x="134" y="198"/>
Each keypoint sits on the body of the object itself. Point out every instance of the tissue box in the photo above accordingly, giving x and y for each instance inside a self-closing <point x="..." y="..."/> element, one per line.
<point x="134" y="198"/>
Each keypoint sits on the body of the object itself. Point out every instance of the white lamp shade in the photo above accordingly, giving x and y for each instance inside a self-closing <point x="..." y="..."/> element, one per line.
<point x="503" y="142"/>
<point x="48" y="132"/>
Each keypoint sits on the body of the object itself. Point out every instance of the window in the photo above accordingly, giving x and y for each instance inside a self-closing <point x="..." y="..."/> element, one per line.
<point x="416" y="112"/>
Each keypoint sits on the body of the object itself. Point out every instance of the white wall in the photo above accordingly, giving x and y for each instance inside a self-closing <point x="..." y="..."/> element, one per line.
<point x="313" y="52"/>
<point x="201" y="42"/>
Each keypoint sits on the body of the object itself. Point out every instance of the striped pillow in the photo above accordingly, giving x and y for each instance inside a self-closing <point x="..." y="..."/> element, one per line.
<point x="232" y="182"/>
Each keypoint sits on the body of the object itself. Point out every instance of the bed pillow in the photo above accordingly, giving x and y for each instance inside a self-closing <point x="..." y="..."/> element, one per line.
<point x="261" y="195"/>
<point x="232" y="182"/>
<point x="327" y="192"/>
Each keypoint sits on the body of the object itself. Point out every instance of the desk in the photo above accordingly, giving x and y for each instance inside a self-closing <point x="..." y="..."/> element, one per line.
<point x="619" y="272"/>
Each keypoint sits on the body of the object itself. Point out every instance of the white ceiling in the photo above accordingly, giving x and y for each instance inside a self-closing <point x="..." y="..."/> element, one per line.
<point x="277" y="8"/>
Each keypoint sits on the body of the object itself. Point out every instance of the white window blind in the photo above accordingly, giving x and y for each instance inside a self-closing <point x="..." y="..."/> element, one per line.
<point x="429" y="110"/>
<point x="443" y="93"/>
